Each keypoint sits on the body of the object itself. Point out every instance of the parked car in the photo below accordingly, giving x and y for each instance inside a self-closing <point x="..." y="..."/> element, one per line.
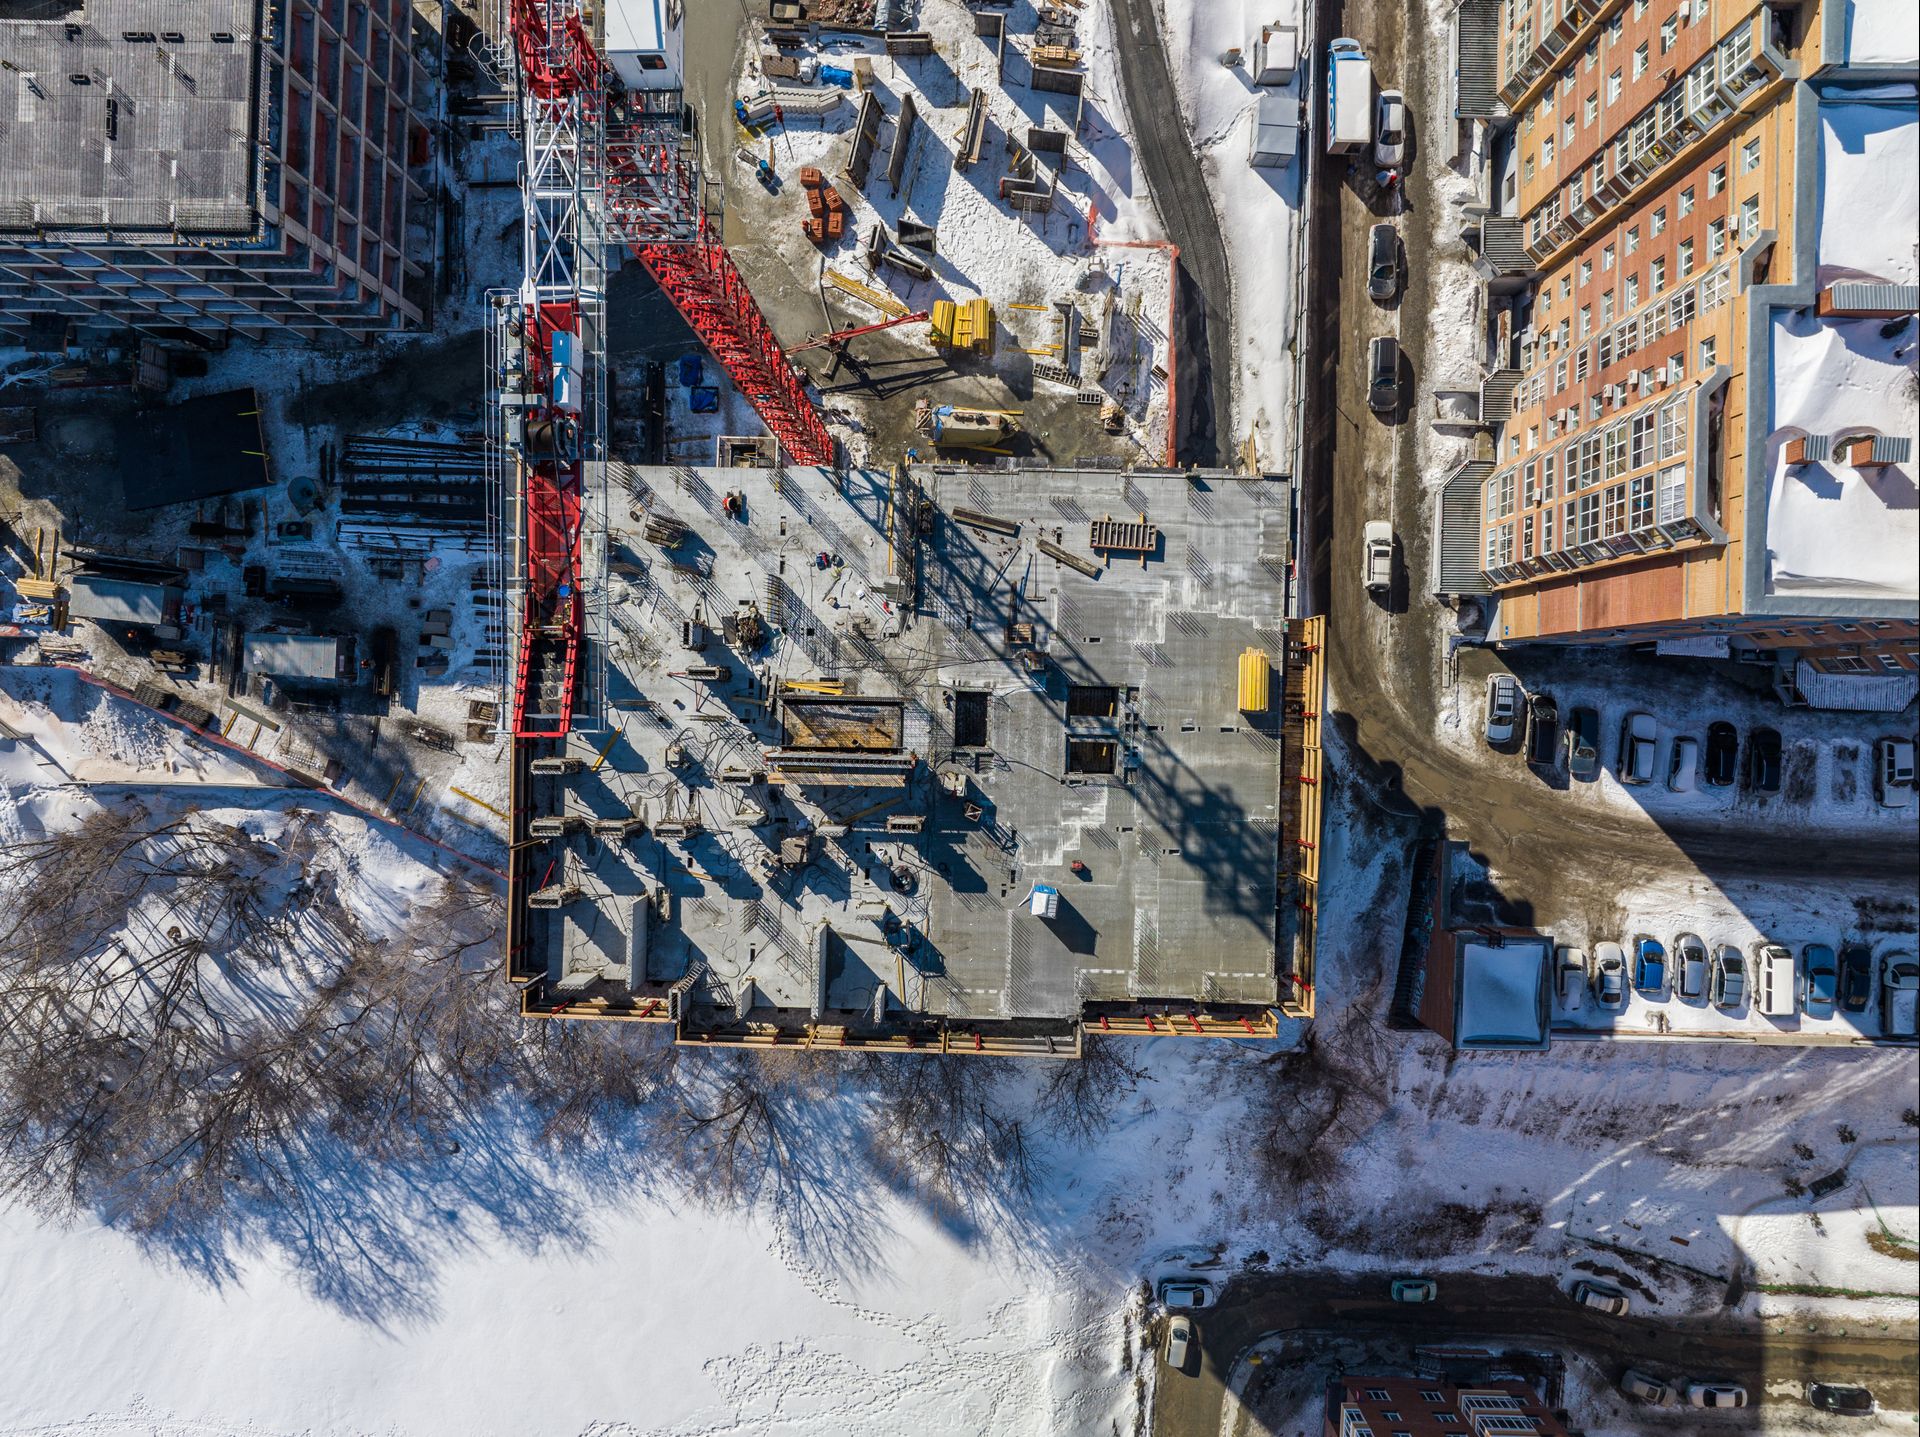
<point x="1856" y="977"/>
<point x="1763" y="760"/>
<point x="1383" y="374"/>
<point x="1378" y="537"/>
<point x="1899" y="996"/>
<point x="1414" y="1289"/>
<point x="1543" y="729"/>
<point x="1609" y="975"/>
<point x="1729" y="977"/>
<point x="1715" y="1394"/>
<point x="1602" y="1296"/>
<point x="1723" y="747"/>
<point x="1570" y="976"/>
<point x="1503" y="709"/>
<point x="1583" y="745"/>
<point x="1823" y="980"/>
<point x="1383" y="261"/>
<point x="1650" y="968"/>
<point x="1390" y="130"/>
<point x="1650" y="1390"/>
<point x="1683" y="766"/>
<point x="1776" y="980"/>
<point x="1893" y="772"/>
<point x="1690" y="967"/>
<point x="1179" y="1292"/>
<point x="1180" y="1343"/>
<point x="1638" y="735"/>
<point x="1846" y="1401"/>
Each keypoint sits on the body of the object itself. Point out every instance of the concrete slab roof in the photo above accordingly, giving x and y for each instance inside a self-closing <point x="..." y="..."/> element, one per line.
<point x="132" y="115"/>
<point x="1030" y="711"/>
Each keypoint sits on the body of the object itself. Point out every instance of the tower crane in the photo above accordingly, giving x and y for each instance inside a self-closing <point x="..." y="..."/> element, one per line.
<point x="609" y="162"/>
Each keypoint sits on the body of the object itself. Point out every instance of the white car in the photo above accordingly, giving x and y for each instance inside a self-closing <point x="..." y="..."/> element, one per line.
<point x="1572" y="969"/>
<point x="1503" y="708"/>
<point x="1609" y="975"/>
<point x="1178" y="1293"/>
<point x="1390" y="130"/>
<point x="1715" y="1394"/>
<point x="1379" y="540"/>
<point x="1601" y="1297"/>
<point x="1690" y="966"/>
<point x="1180" y="1343"/>
<point x="1650" y="1390"/>
<point x="1638" y="736"/>
<point x="1893" y="772"/>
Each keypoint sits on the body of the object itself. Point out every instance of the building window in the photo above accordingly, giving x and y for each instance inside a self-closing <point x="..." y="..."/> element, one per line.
<point x="1750" y="155"/>
<point x="1686" y="201"/>
<point x="1713" y="290"/>
<point x="1640" y="60"/>
<point x="1685" y="253"/>
<point x="1586" y="273"/>
<point x="1669" y="32"/>
<point x="1546" y="530"/>
<point x="1616" y="450"/>
<point x="1569" y="132"/>
<point x="1546" y="477"/>
<point x="1377" y="1394"/>
<point x="1716" y="238"/>
<point x="1613" y="511"/>
<point x="1591" y="109"/>
<point x="1673" y="428"/>
<point x="1546" y="151"/>
<point x="1559" y="375"/>
<point x="1580" y="364"/>
<point x="1613" y="87"/>
<point x="1716" y="180"/>
<point x="1641" y="446"/>
<point x="1633" y="290"/>
<point x="1640" y="503"/>
<point x="1633" y="239"/>
<point x="1606" y="259"/>
<point x="1586" y="320"/>
<point x="1657" y="275"/>
<point x="1749" y="218"/>
<point x="1660" y="221"/>
<point x="1606" y="312"/>
<point x="1586" y="527"/>
<point x="1583" y="464"/>
<point x="1708" y="357"/>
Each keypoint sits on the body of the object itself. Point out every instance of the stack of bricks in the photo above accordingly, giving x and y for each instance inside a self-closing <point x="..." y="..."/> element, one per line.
<point x="826" y="211"/>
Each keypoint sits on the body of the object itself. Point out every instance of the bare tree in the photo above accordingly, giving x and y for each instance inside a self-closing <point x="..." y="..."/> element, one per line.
<point x="1079" y="1098"/>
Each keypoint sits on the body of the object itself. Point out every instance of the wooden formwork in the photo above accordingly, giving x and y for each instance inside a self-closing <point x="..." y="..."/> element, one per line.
<point x="1305" y="698"/>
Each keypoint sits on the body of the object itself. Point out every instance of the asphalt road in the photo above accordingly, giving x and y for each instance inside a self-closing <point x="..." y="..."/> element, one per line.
<point x="1521" y="1311"/>
<point x="1387" y="662"/>
<point x="1172" y="169"/>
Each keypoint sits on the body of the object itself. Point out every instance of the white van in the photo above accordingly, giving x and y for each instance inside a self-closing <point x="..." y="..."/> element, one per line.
<point x="1778" y="980"/>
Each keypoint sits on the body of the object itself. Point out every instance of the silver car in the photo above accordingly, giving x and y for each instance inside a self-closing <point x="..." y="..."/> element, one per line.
<point x="1690" y="967"/>
<point x="1609" y="975"/>
<point x="1390" y="130"/>
<point x="1729" y="977"/>
<point x="1503" y="709"/>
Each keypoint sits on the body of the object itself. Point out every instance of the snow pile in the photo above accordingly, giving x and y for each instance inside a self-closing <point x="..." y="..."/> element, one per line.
<point x="78" y="733"/>
<point x="1882" y="32"/>
<point x="1870" y="191"/>
<point x="1835" y="531"/>
<point x="1258" y="209"/>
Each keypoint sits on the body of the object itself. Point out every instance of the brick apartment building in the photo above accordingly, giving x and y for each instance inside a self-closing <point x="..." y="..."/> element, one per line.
<point x="213" y="165"/>
<point x="1682" y="284"/>
<point x="1417" y="1407"/>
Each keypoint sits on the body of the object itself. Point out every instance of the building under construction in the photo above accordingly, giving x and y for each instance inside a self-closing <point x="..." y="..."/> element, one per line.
<point x="213" y="165"/>
<point x="942" y="758"/>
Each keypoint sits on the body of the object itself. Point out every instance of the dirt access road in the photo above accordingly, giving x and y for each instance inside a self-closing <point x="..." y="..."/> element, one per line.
<point x="1521" y="1312"/>
<point x="1391" y="678"/>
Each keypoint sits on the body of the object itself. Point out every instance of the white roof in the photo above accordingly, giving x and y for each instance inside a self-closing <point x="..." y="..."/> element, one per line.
<point x="1869" y="191"/>
<point x="119" y="601"/>
<point x="1882" y="32"/>
<point x="294" y="656"/>
<point x="1501" y="995"/>
<point x="636" y="25"/>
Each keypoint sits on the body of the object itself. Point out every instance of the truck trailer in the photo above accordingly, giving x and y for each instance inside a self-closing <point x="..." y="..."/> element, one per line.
<point x="1349" y="99"/>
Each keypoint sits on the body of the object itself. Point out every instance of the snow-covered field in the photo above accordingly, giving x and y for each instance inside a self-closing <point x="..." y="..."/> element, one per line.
<point x="589" y="1295"/>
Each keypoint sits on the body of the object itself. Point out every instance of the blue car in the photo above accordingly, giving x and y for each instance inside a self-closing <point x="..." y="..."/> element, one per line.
<point x="1823" y="981"/>
<point x="1650" y="968"/>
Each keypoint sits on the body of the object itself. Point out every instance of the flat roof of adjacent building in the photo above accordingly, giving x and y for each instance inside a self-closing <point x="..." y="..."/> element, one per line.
<point x="121" y="601"/>
<point x="131" y="115"/>
<point x="294" y="656"/>
<point x="1835" y="531"/>
<point x="1032" y="721"/>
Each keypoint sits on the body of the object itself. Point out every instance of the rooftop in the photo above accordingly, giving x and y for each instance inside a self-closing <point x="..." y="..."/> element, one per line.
<point x="130" y="115"/>
<point x="1837" y="529"/>
<point x="861" y="814"/>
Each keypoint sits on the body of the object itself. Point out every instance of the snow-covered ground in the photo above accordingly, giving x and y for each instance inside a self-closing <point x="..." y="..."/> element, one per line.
<point x="1259" y="208"/>
<point x="1007" y="1313"/>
